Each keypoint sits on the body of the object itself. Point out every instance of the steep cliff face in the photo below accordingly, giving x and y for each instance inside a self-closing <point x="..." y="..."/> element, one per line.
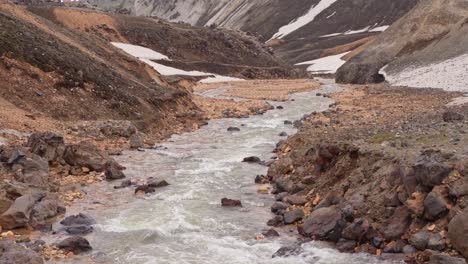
<point x="303" y="28"/>
<point x="426" y="48"/>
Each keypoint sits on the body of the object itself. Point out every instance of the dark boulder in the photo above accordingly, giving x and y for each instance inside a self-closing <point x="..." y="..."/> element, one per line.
<point x="114" y="173"/>
<point x="18" y="215"/>
<point x="397" y="224"/>
<point x="156" y="183"/>
<point x="288" y="251"/>
<point x="430" y="170"/>
<point x="434" y="206"/>
<point x="280" y="196"/>
<point x="283" y="134"/>
<point x="420" y="239"/>
<point x="293" y="216"/>
<point x="278" y="207"/>
<point x="436" y="242"/>
<point x="295" y="200"/>
<point x="33" y="170"/>
<point x="359" y="73"/>
<point x="137" y="140"/>
<point x="48" y="145"/>
<point x="277" y="220"/>
<point x="145" y="189"/>
<point x="47" y="208"/>
<point x="226" y="202"/>
<point x="346" y="246"/>
<point x="79" y="219"/>
<point x="451" y="116"/>
<point x="271" y="233"/>
<point x="85" y="154"/>
<point x="409" y="249"/>
<point x="75" y="244"/>
<point x="287" y="122"/>
<point x="458" y="232"/>
<point x="252" y="159"/>
<point x="79" y="229"/>
<point x="323" y="224"/>
<point x="12" y="253"/>
<point x="233" y="129"/>
<point x="357" y="230"/>
<point x="124" y="184"/>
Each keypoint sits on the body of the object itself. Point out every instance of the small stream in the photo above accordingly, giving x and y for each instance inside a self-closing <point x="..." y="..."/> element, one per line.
<point x="184" y="222"/>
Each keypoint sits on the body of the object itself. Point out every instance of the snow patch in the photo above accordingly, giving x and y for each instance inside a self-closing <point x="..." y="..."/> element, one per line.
<point x="148" y="55"/>
<point x="450" y="75"/>
<point x="379" y="29"/>
<point x="350" y="32"/>
<point x="328" y="64"/>
<point x="303" y="20"/>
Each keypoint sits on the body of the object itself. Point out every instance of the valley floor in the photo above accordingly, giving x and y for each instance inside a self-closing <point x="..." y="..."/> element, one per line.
<point x="355" y="155"/>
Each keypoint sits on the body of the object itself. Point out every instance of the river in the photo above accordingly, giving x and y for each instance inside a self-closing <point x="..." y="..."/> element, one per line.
<point x="184" y="222"/>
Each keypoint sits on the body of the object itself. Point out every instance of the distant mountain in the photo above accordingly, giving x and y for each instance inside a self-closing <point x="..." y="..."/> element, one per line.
<point x="428" y="47"/>
<point x="303" y="29"/>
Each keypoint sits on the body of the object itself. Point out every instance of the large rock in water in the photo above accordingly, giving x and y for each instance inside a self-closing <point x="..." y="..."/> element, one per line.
<point x="48" y="145"/>
<point x="458" y="232"/>
<point x="85" y="154"/>
<point x="12" y="253"/>
<point x="75" y="244"/>
<point x="324" y="224"/>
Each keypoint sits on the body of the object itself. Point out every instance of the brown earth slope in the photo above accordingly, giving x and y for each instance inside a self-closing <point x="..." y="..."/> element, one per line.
<point x="218" y="51"/>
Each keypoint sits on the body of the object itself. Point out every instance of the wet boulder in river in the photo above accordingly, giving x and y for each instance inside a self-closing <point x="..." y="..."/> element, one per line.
<point x="75" y="244"/>
<point x="145" y="189"/>
<point x="157" y="183"/>
<point x="226" y="202"/>
<point x="114" y="173"/>
<point x="252" y="159"/>
<point x="233" y="129"/>
<point x="79" y="219"/>
<point x="271" y="233"/>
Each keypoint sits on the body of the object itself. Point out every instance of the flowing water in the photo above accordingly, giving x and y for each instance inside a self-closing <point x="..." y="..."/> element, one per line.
<point x="184" y="222"/>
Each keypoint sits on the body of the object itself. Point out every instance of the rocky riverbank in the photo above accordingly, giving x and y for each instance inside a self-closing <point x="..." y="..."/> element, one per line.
<point x="384" y="171"/>
<point x="42" y="173"/>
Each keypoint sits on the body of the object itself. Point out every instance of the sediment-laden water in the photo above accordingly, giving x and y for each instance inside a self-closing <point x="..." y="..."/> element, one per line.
<point x="184" y="222"/>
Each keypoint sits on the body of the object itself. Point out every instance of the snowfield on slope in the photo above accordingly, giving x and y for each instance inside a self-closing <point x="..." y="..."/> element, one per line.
<point x="327" y="65"/>
<point x="303" y="20"/>
<point x="366" y="29"/>
<point x="450" y="75"/>
<point x="148" y="55"/>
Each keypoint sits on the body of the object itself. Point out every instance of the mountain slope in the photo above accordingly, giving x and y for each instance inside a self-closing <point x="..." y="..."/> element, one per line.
<point x="220" y="51"/>
<point x="299" y="24"/>
<point x="425" y="48"/>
